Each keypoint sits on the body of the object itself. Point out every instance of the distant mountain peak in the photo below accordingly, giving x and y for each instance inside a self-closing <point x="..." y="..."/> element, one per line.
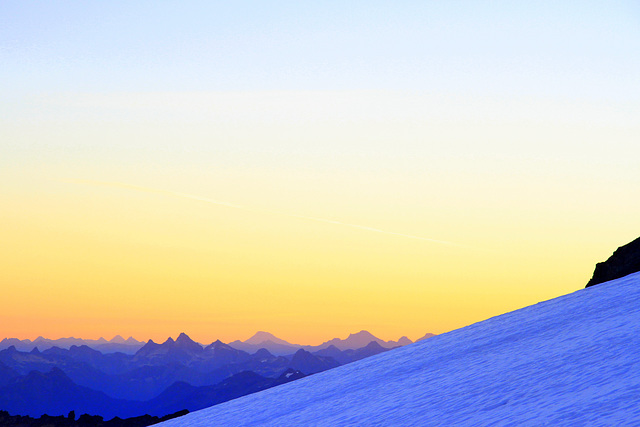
<point x="187" y="343"/>
<point x="184" y="338"/>
<point x="117" y="340"/>
<point x="404" y="341"/>
<point x="261" y="336"/>
<point x="373" y="345"/>
<point x="217" y="344"/>
<point x="146" y="349"/>
<point x="263" y="352"/>
<point x="357" y="340"/>
<point x="427" y="335"/>
<point x="362" y="333"/>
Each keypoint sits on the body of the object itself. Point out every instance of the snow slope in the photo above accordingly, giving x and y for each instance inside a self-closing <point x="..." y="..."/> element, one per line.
<point x="573" y="360"/>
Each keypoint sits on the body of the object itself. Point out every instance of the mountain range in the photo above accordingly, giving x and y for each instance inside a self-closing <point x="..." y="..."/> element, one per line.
<point x="54" y="393"/>
<point x="279" y="346"/>
<point x="158" y="378"/>
<point x="569" y="361"/>
<point x="116" y="344"/>
<point x="259" y="340"/>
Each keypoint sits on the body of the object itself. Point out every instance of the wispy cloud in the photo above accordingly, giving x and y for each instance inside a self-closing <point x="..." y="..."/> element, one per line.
<point x="236" y="206"/>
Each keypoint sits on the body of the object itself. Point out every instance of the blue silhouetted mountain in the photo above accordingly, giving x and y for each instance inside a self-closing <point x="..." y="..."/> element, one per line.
<point x="188" y="345"/>
<point x="262" y="354"/>
<point x="369" y="350"/>
<point x="281" y="347"/>
<point x="20" y="345"/>
<point x="186" y="396"/>
<point x="147" y="374"/>
<point x="624" y="261"/>
<point x="224" y="353"/>
<point x="348" y="356"/>
<point x="53" y="393"/>
<point x="115" y="373"/>
<point x="24" y="362"/>
<point x="117" y="344"/>
<point x="7" y="374"/>
<point x="155" y="367"/>
<point x="264" y="363"/>
<point x="333" y="352"/>
<point x="359" y="340"/>
<point x="182" y="350"/>
<point x="310" y="364"/>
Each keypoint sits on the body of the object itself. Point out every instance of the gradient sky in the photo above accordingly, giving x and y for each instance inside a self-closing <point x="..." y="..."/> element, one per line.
<point x="217" y="167"/>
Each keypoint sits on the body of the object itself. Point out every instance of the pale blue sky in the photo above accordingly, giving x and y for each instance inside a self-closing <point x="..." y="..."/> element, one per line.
<point x="574" y="48"/>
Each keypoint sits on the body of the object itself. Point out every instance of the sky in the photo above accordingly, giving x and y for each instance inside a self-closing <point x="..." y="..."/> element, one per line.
<point x="310" y="170"/>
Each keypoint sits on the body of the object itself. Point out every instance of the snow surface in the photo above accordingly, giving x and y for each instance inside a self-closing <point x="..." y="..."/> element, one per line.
<point x="572" y="360"/>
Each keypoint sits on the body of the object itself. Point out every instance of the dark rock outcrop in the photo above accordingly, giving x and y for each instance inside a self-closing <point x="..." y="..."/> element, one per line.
<point x="625" y="260"/>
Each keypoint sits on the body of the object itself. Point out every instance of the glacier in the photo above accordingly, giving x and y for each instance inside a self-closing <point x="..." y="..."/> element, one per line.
<point x="572" y="360"/>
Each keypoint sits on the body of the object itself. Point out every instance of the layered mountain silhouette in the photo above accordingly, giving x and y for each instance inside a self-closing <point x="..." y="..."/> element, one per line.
<point x="359" y="340"/>
<point x="179" y="372"/>
<point x="306" y="362"/>
<point x="279" y="346"/>
<point x="54" y="393"/>
<point x="624" y="261"/>
<point x="117" y="344"/>
<point x="347" y="356"/>
<point x="185" y="396"/>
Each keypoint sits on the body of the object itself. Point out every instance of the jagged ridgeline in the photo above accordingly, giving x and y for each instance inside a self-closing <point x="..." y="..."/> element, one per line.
<point x="624" y="261"/>
<point x="159" y="378"/>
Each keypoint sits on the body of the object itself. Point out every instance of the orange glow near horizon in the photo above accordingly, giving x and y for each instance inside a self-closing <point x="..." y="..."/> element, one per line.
<point x="309" y="169"/>
<point x="349" y="232"/>
<point x="134" y="260"/>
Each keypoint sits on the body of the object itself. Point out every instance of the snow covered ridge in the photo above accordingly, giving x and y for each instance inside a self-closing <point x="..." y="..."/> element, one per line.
<point x="572" y="360"/>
